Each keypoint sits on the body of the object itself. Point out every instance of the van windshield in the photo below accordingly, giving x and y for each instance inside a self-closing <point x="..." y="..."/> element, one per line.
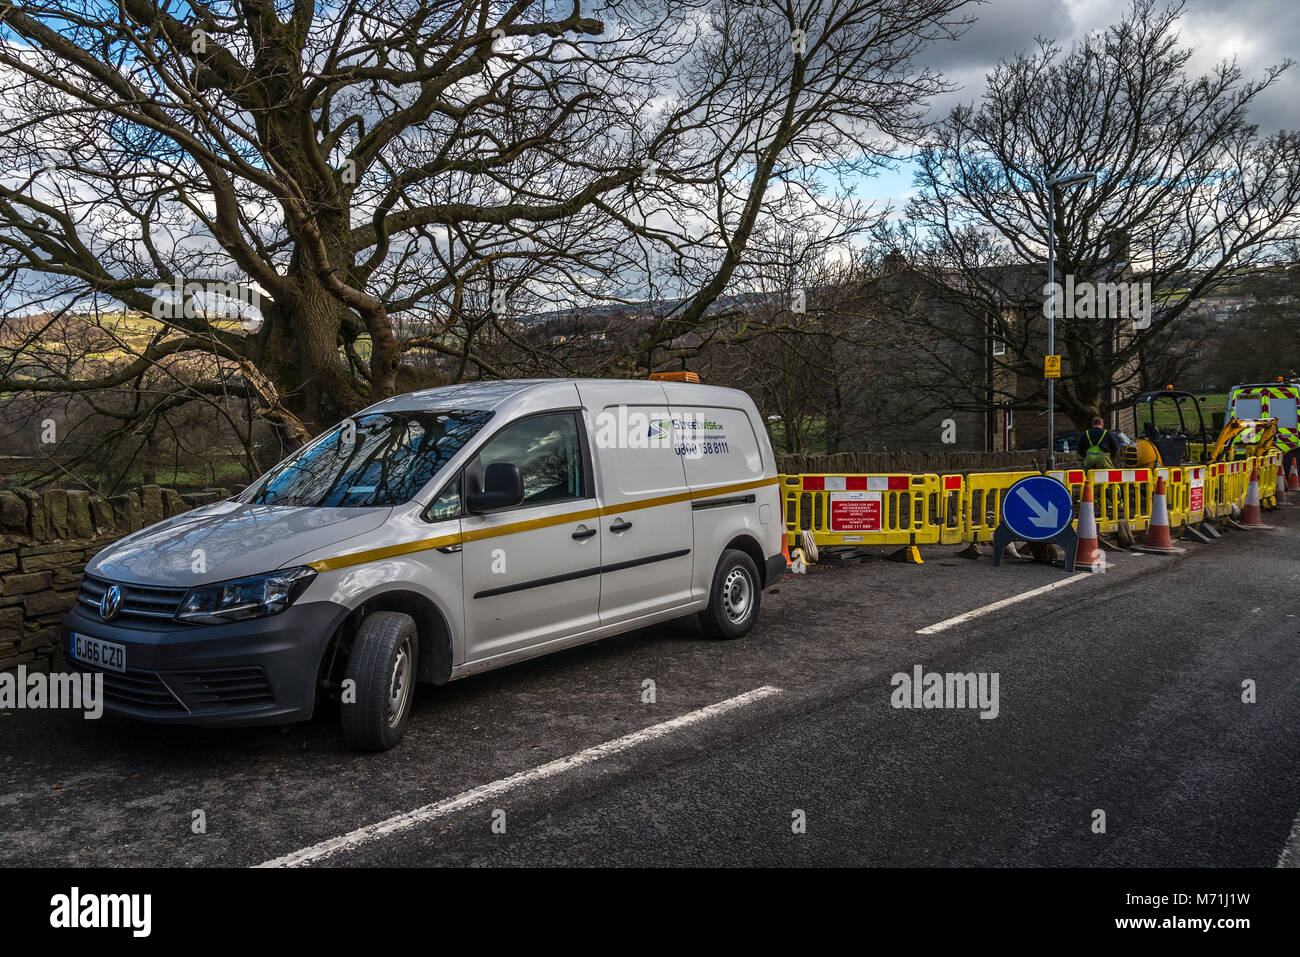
<point x="383" y="458"/>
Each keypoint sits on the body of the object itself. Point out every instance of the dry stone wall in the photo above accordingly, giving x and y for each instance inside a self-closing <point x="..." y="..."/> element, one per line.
<point x="46" y="539"/>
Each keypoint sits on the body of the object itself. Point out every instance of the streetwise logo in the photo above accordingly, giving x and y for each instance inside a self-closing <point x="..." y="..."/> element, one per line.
<point x="631" y="429"/>
<point x="950" y="690"/>
<point x="77" y="910"/>
<point x="689" y="434"/>
<point x="39" y="691"/>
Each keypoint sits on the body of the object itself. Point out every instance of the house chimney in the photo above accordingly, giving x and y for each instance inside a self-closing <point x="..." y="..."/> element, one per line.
<point x="1116" y="264"/>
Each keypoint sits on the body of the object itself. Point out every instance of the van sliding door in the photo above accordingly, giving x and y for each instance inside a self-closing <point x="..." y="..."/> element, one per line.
<point x="645" y="526"/>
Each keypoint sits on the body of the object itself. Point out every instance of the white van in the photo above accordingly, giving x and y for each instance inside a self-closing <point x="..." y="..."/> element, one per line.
<point x="432" y="536"/>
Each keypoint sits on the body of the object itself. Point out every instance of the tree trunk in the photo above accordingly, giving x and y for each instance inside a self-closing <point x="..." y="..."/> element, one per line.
<point x="301" y="357"/>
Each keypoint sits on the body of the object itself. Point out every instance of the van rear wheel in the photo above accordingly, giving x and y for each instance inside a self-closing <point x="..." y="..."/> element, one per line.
<point x="734" y="596"/>
<point x="383" y="668"/>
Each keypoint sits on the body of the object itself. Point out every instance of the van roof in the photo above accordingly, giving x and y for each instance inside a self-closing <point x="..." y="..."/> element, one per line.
<point x="489" y="395"/>
<point x="464" y="395"/>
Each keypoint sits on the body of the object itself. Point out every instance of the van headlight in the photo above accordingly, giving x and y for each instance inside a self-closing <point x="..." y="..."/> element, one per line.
<point x="244" y="598"/>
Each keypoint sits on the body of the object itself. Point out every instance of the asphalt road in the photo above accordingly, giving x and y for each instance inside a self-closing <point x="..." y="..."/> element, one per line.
<point x="1119" y="692"/>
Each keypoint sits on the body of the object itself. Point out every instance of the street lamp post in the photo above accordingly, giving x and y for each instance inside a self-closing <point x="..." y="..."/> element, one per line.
<point x="1067" y="179"/>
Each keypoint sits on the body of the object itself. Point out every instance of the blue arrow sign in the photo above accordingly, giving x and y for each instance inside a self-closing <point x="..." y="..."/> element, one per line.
<point x="1037" y="508"/>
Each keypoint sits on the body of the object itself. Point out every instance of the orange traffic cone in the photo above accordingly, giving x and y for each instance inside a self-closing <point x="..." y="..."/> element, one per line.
<point x="1158" y="540"/>
<point x="794" y="564"/>
<point x="1250" y="517"/>
<point x="1088" y="553"/>
<point x="1293" y="478"/>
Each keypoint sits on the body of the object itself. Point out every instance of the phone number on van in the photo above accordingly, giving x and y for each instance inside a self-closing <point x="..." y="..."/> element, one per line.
<point x="701" y="448"/>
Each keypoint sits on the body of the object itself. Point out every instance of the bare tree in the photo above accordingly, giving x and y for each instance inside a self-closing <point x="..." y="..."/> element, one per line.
<point x="1186" y="192"/>
<point x="1261" y="340"/>
<point x="391" y="179"/>
<point x="820" y="349"/>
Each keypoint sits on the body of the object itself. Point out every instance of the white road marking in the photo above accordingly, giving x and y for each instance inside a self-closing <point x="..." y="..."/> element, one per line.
<point x="429" y="812"/>
<point x="975" y="613"/>
<point x="1290" y="856"/>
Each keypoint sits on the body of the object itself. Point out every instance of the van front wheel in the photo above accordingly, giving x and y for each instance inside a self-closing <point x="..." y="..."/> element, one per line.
<point x="382" y="669"/>
<point x="733" y="598"/>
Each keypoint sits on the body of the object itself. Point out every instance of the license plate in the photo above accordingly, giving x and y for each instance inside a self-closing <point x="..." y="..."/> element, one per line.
<point x="98" y="653"/>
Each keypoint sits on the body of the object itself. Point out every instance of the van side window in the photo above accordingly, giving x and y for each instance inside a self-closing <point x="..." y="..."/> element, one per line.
<point x="548" y="451"/>
<point x="446" y="505"/>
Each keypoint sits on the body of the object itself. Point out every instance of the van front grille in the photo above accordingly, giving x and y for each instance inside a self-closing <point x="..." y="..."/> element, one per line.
<point x="139" y="602"/>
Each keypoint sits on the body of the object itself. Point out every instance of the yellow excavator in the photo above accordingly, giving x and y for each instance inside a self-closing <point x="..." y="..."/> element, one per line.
<point x="1159" y="444"/>
<point x="1265" y="442"/>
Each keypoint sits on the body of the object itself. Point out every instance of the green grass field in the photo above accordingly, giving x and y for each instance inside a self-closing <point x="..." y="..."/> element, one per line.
<point x="814" y="437"/>
<point x="1167" y="415"/>
<point x="186" y="478"/>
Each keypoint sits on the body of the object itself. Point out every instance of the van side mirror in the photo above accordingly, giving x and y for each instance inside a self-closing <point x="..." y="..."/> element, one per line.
<point x="503" y="487"/>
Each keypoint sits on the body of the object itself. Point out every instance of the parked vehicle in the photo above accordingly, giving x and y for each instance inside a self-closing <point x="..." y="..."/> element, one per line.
<point x="1066" y="442"/>
<point x="1261" y="401"/>
<point x="432" y="536"/>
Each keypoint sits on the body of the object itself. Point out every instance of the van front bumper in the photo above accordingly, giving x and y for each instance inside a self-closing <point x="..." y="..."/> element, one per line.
<point x="262" y="671"/>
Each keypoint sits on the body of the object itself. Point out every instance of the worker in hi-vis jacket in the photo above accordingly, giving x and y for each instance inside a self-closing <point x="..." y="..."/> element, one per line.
<point x="1097" y="445"/>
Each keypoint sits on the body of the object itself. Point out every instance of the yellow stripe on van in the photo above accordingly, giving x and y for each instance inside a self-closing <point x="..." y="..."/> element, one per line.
<point x="388" y="551"/>
<point x="496" y="531"/>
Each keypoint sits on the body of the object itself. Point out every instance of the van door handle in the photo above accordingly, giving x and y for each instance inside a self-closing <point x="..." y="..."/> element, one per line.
<point x="584" y="533"/>
<point x="620" y="527"/>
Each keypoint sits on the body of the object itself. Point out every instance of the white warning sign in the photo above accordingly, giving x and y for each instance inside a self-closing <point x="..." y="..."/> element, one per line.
<point x="855" y="511"/>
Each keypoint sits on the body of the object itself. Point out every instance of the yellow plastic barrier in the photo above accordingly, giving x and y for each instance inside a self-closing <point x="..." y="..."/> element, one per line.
<point x="863" y="509"/>
<point x="1122" y="495"/>
<point x="952" y="509"/>
<point x="1118" y="494"/>
<point x="1074" y="480"/>
<point x="1236" y="479"/>
<point x="983" y="506"/>
<point x="1216" y="500"/>
<point x="1269" y="466"/>
<point x="899" y="509"/>
<point x="1195" y="486"/>
<point x="1177" y="493"/>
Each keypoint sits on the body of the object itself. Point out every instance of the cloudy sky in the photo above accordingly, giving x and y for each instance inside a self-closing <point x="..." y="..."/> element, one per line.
<point x="1257" y="32"/>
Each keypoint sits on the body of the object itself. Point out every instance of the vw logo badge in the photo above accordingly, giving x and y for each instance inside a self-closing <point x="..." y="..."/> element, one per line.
<point x="111" y="603"/>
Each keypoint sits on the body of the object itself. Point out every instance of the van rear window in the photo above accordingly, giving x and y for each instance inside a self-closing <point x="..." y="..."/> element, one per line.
<point x="1247" y="407"/>
<point x="1282" y="408"/>
<point x="379" y="459"/>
